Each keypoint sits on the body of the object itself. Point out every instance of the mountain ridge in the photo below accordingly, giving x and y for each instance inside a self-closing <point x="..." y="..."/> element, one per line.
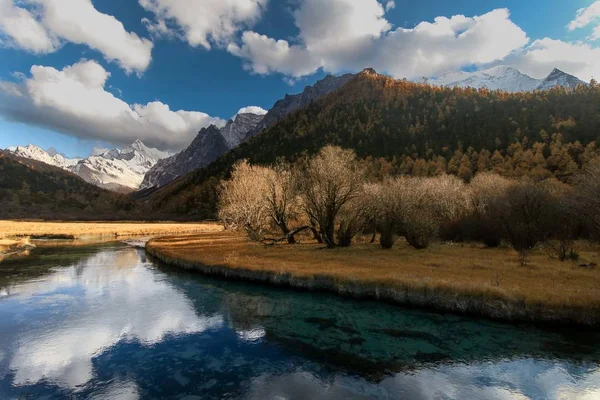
<point x="237" y="131"/>
<point x="399" y="123"/>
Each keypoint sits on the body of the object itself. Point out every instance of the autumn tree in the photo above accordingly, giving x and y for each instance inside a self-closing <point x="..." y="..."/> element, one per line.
<point x="242" y="202"/>
<point x="330" y="184"/>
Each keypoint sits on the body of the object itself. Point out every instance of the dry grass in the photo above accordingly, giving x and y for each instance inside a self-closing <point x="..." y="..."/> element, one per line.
<point x="11" y="229"/>
<point x="463" y="270"/>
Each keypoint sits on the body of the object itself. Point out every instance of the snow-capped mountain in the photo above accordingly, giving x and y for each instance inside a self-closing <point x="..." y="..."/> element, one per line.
<point x="33" y="152"/>
<point x="505" y="78"/>
<point x="115" y="169"/>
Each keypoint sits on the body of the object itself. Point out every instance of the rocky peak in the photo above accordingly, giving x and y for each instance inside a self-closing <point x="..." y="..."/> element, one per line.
<point x="236" y="129"/>
<point x="368" y="72"/>
<point x="291" y="103"/>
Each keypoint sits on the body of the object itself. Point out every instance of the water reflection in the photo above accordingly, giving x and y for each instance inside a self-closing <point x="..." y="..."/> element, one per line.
<point x="111" y="324"/>
<point x="83" y="310"/>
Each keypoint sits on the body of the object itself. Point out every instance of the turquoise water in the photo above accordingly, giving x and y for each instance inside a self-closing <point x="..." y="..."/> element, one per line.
<point x="105" y="322"/>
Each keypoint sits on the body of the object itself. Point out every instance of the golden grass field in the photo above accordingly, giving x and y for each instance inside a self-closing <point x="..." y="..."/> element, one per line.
<point x="12" y="229"/>
<point x="466" y="270"/>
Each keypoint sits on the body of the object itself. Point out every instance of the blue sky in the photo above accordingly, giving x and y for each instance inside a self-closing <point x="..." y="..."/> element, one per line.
<point x="87" y="85"/>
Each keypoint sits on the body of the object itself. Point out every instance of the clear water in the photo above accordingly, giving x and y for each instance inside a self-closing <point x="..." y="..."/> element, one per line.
<point x="107" y="323"/>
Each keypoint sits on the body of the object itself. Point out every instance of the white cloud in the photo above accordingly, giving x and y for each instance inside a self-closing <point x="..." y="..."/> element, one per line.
<point x="24" y="30"/>
<point x="390" y="5"/>
<point x="252" y="110"/>
<point x="585" y="16"/>
<point x="204" y="22"/>
<point x="265" y="55"/>
<point x="348" y="35"/>
<point x="74" y="101"/>
<point x="538" y="59"/>
<point x="51" y="21"/>
<point x="79" y="22"/>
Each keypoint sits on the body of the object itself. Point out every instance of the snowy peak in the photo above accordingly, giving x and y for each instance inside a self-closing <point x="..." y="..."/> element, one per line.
<point x="34" y="152"/>
<point x="560" y="78"/>
<point x="501" y="77"/>
<point x="507" y="78"/>
<point x="115" y="169"/>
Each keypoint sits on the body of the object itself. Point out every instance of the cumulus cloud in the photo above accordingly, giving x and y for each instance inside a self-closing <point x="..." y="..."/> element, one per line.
<point x="201" y="23"/>
<point x="42" y="26"/>
<point x="74" y="101"/>
<point x="24" y="30"/>
<point x="390" y="5"/>
<point x="252" y="110"/>
<point x="350" y="35"/>
<point x="585" y="17"/>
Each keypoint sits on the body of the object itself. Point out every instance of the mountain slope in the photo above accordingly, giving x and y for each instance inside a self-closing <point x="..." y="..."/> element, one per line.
<point x="33" y="189"/>
<point x="381" y="117"/>
<point x="237" y="131"/>
<point x="291" y="103"/>
<point x="117" y="170"/>
<point x="204" y="149"/>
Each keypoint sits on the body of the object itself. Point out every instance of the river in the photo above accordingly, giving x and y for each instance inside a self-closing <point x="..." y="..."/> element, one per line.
<point x="105" y="322"/>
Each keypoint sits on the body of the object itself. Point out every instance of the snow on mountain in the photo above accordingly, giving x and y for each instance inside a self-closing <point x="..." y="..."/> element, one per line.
<point x="115" y="169"/>
<point x="506" y="78"/>
<point x="501" y="77"/>
<point x="35" y="153"/>
<point x="560" y="78"/>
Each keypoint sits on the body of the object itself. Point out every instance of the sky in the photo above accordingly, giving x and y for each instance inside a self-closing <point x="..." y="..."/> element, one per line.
<point x="78" y="75"/>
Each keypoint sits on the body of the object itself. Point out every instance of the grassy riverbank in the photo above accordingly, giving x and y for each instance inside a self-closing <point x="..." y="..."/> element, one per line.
<point x="458" y="278"/>
<point x="75" y="230"/>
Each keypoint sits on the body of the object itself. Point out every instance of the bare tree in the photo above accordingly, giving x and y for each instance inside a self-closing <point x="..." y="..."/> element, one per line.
<point x="242" y="202"/>
<point x="327" y="183"/>
<point x="392" y="203"/>
<point x="281" y="198"/>
<point x="259" y="200"/>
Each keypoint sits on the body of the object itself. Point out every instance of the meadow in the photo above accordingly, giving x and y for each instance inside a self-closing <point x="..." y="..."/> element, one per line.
<point x="79" y="230"/>
<point x="465" y="278"/>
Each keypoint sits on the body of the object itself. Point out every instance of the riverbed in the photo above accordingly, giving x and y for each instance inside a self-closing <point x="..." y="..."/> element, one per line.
<point x="105" y="321"/>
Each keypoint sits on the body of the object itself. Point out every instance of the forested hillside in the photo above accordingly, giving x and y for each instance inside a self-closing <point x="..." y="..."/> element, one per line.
<point x="32" y="189"/>
<point x="400" y="127"/>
